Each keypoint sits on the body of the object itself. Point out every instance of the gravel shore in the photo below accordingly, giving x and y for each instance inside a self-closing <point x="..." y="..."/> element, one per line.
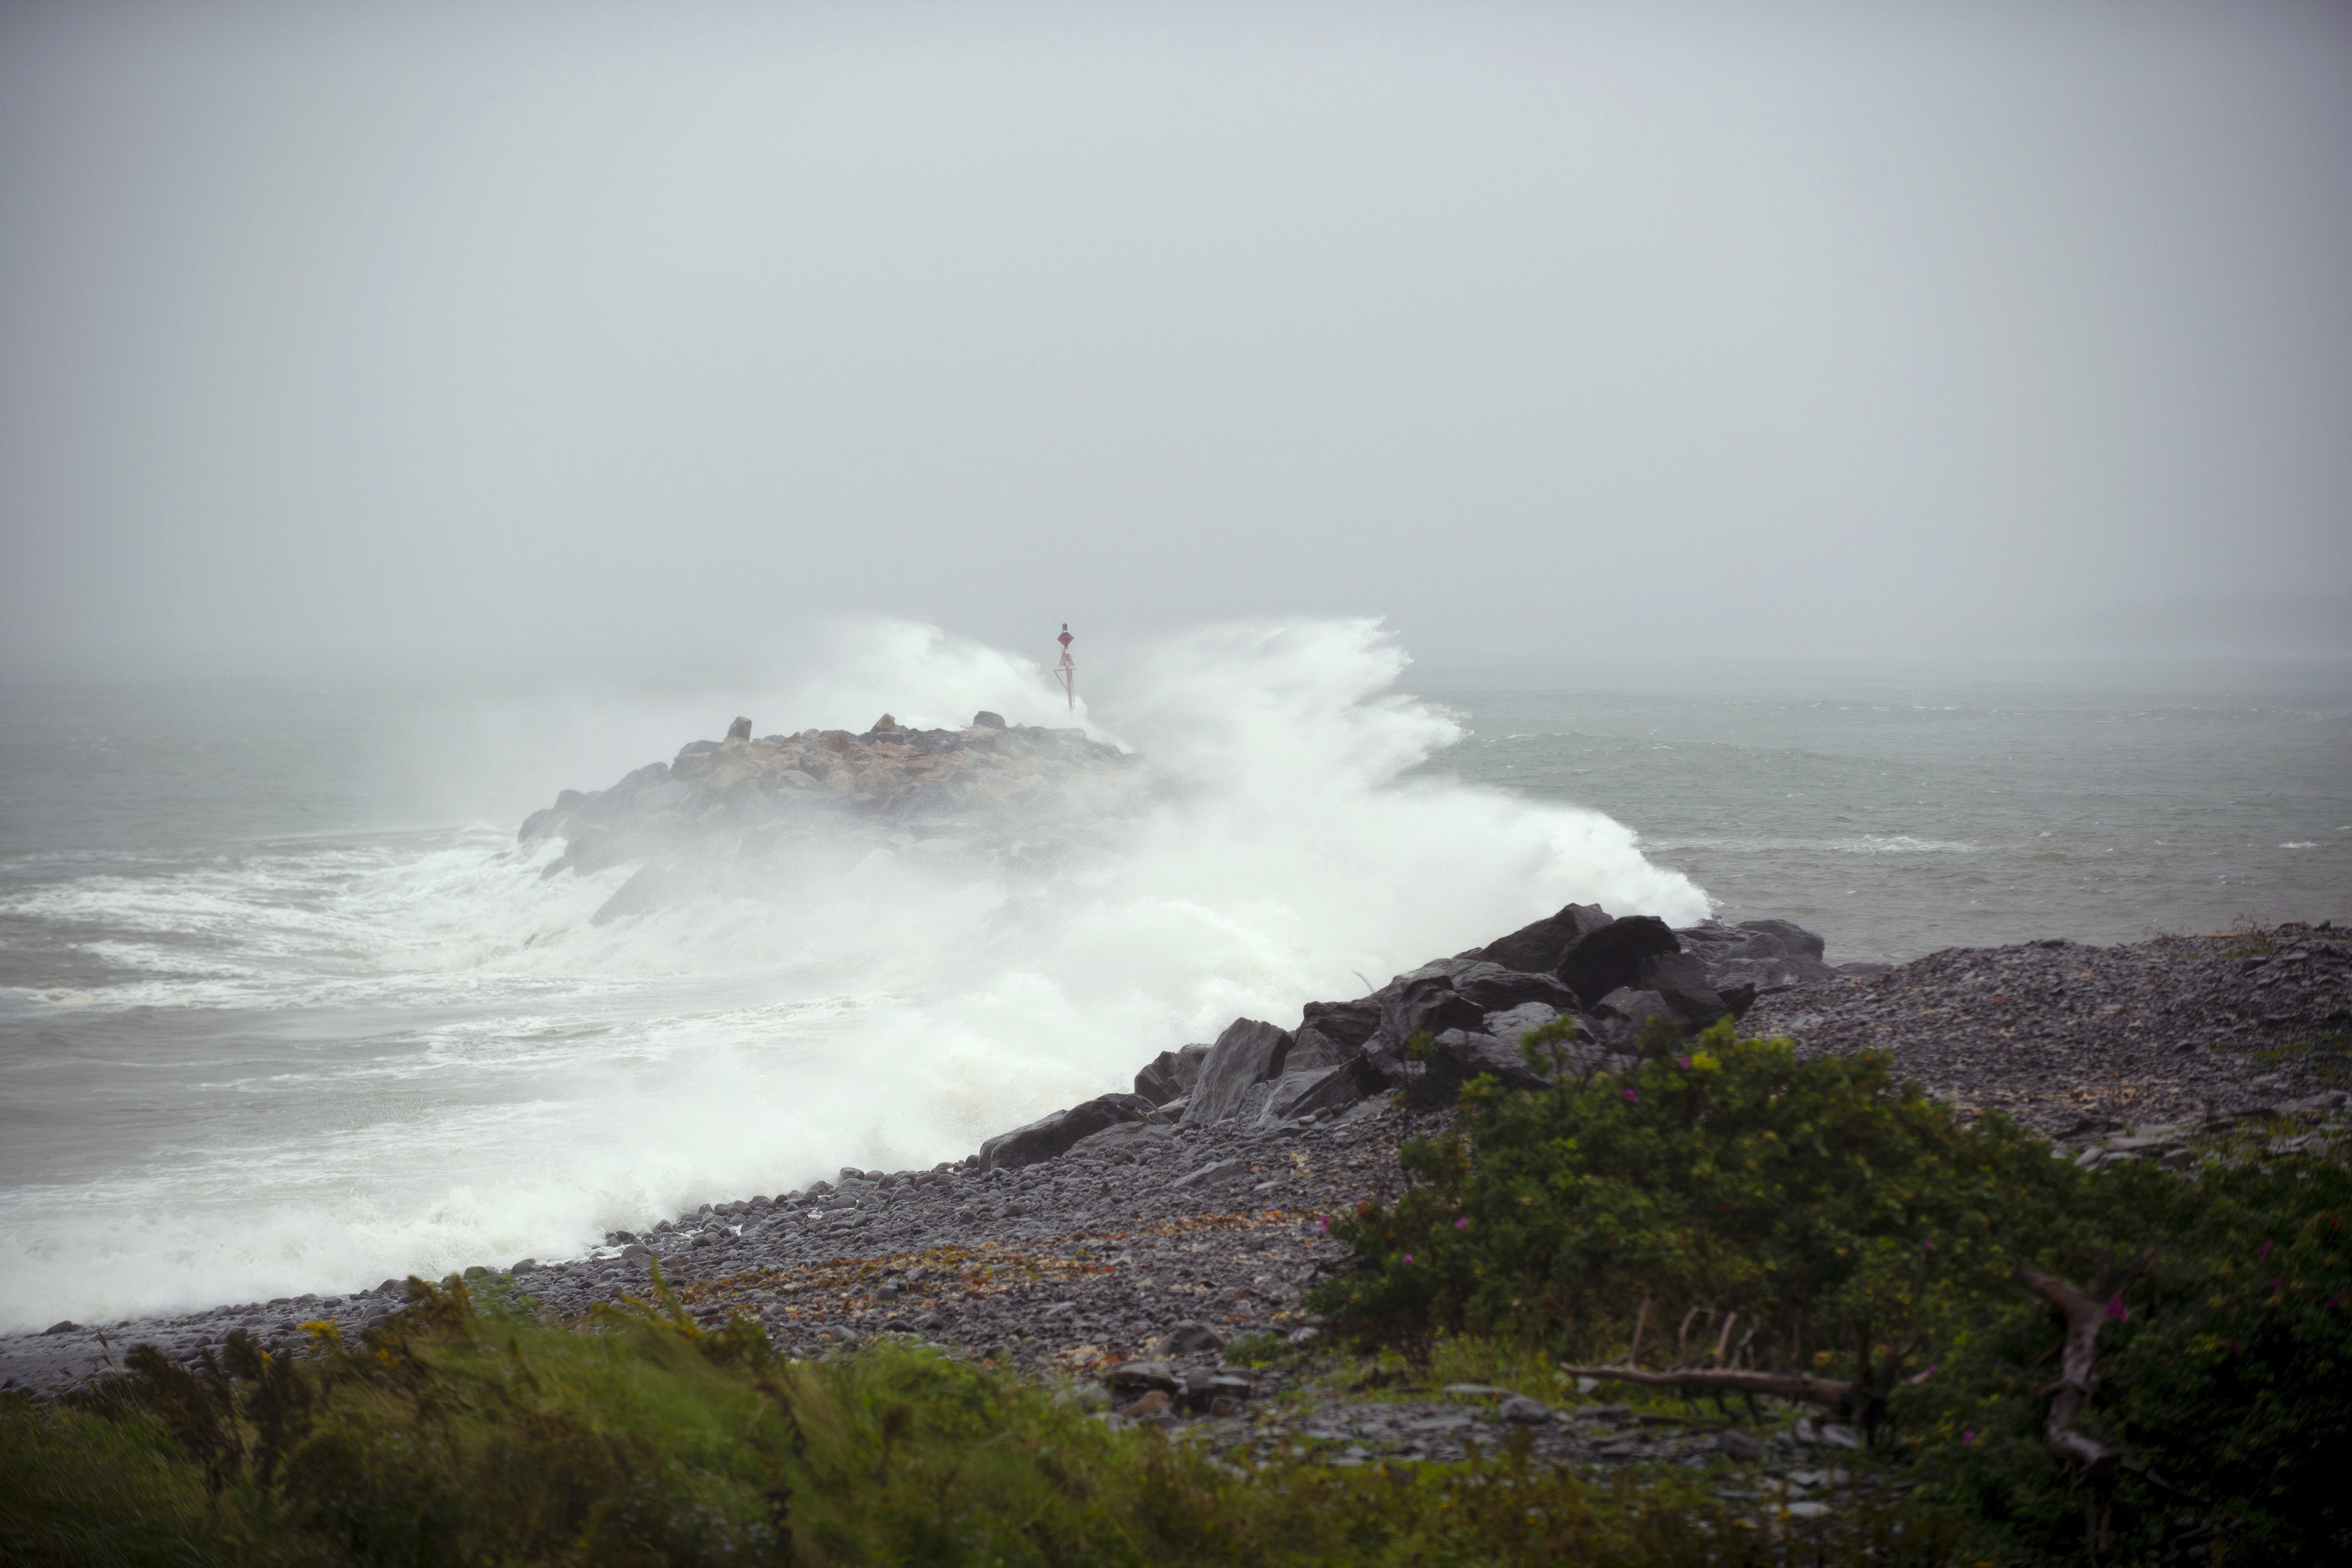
<point x="1165" y="1241"/>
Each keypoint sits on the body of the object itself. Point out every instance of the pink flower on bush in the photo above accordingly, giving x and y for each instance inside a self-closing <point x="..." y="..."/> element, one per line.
<point x="1928" y="1245"/>
<point x="1628" y="1096"/>
<point x="1462" y="1223"/>
<point x="2116" y="1310"/>
<point x="1966" y="1439"/>
<point x="2266" y="1252"/>
<point x="1683" y="1062"/>
<point x="1408" y="1258"/>
<point x="1323" y="1224"/>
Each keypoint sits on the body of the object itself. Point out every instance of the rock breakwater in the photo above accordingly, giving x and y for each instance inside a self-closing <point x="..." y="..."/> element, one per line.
<point x="741" y="815"/>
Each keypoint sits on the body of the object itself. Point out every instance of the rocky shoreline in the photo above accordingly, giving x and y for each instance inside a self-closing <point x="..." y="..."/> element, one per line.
<point x="1127" y="1239"/>
<point x="1018" y="803"/>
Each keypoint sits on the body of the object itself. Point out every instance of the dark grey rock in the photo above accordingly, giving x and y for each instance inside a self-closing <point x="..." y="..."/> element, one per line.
<point x="740" y="731"/>
<point x="1050" y="1135"/>
<point x="984" y="720"/>
<point x="1681" y="980"/>
<point x="1336" y="1090"/>
<point x="1170" y="1075"/>
<point x="1605" y="960"/>
<point x="1330" y="1033"/>
<point x="1247" y="1054"/>
<point x="1537" y="947"/>
<point x="1189" y="1337"/>
<point x="1522" y="1411"/>
<point x="1130" y="1377"/>
<point x="1794" y="937"/>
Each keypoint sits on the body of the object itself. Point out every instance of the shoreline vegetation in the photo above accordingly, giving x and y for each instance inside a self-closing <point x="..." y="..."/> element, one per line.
<point x="1603" y="1242"/>
<point x="1912" y="1386"/>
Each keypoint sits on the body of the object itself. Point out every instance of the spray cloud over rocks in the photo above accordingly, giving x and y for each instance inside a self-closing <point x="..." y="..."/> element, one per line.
<point x="551" y="1078"/>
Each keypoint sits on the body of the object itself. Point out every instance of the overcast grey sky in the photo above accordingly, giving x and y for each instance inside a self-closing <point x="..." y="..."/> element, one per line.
<point x="590" y="335"/>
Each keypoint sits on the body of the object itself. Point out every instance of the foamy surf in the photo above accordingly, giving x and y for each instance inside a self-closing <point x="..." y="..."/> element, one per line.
<point x="420" y="1055"/>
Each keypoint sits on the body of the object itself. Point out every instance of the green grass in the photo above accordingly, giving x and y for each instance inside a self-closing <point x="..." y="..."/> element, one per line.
<point x="467" y="1433"/>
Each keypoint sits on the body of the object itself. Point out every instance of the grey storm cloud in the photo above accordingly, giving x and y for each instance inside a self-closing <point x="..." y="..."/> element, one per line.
<point x="409" y="333"/>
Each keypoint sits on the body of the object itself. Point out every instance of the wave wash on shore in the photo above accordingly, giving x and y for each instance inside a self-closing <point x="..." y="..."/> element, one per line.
<point x="455" y="1066"/>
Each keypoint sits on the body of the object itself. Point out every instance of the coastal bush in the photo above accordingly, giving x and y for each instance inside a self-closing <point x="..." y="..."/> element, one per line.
<point x="464" y="1433"/>
<point x="1815" y="1213"/>
<point x="1724" y="1204"/>
<point x="2227" y="1381"/>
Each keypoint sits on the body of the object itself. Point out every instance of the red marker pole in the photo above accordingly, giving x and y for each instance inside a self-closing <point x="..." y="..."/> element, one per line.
<point x="1066" y="671"/>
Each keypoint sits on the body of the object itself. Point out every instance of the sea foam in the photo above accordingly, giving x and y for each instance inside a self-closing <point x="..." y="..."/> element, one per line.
<point x="432" y="1057"/>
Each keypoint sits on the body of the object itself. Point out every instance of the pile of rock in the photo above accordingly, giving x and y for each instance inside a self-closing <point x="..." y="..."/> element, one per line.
<point x="1428" y="1032"/>
<point x="1020" y="795"/>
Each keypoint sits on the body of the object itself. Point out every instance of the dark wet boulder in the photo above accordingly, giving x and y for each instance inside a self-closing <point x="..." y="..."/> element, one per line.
<point x="1456" y="1057"/>
<point x="1683" y="982"/>
<point x="1247" y="1054"/>
<point x="1792" y="936"/>
<point x="984" y="720"/>
<point x="1604" y="959"/>
<point x="740" y="731"/>
<point x="1170" y="1075"/>
<point x="1050" y="1135"/>
<point x="1458" y="994"/>
<point x="1628" y="1008"/>
<point x="1537" y="947"/>
<point x="1348" y="1084"/>
<point x="1770" y="955"/>
<point x="1330" y="1033"/>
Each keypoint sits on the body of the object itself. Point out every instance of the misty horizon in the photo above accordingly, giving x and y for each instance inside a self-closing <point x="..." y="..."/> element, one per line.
<point x="595" y="342"/>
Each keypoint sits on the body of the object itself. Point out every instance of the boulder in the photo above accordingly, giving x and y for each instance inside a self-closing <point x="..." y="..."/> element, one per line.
<point x="1457" y="1055"/>
<point x="1630" y="1008"/>
<point x="1334" y="1032"/>
<point x="1338" y="1088"/>
<point x="1682" y="981"/>
<point x="1792" y="936"/>
<point x="1050" y="1135"/>
<point x="1170" y="1075"/>
<point x="740" y="731"/>
<point x="1133" y="1377"/>
<point x="984" y="720"/>
<point x="1247" y="1054"/>
<point x="1454" y="994"/>
<point x="883" y="726"/>
<point x="1537" y="947"/>
<point x="1189" y="1337"/>
<point x="1770" y="955"/>
<point x="1605" y="960"/>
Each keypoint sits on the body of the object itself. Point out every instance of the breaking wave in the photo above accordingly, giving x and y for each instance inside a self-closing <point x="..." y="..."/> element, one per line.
<point x="409" y="1053"/>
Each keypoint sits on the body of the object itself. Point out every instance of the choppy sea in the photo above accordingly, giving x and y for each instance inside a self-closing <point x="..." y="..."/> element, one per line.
<point x="284" y="1006"/>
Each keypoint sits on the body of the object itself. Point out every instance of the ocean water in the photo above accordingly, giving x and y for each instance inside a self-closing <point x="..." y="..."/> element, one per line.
<point x="283" y="1006"/>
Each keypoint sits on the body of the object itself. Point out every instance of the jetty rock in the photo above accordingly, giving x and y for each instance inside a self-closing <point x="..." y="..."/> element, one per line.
<point x="1022" y="800"/>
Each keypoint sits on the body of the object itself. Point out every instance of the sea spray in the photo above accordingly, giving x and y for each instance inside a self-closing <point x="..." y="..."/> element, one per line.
<point x="413" y="1053"/>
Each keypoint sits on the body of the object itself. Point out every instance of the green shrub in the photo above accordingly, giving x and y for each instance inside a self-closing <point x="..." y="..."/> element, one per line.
<point x="2227" y="1380"/>
<point x="1857" y="1232"/>
<point x="1836" y="1213"/>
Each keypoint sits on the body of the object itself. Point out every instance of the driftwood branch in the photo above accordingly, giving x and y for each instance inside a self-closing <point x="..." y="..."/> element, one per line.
<point x="1835" y="1393"/>
<point x="1720" y="1380"/>
<point x="2078" y="1360"/>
